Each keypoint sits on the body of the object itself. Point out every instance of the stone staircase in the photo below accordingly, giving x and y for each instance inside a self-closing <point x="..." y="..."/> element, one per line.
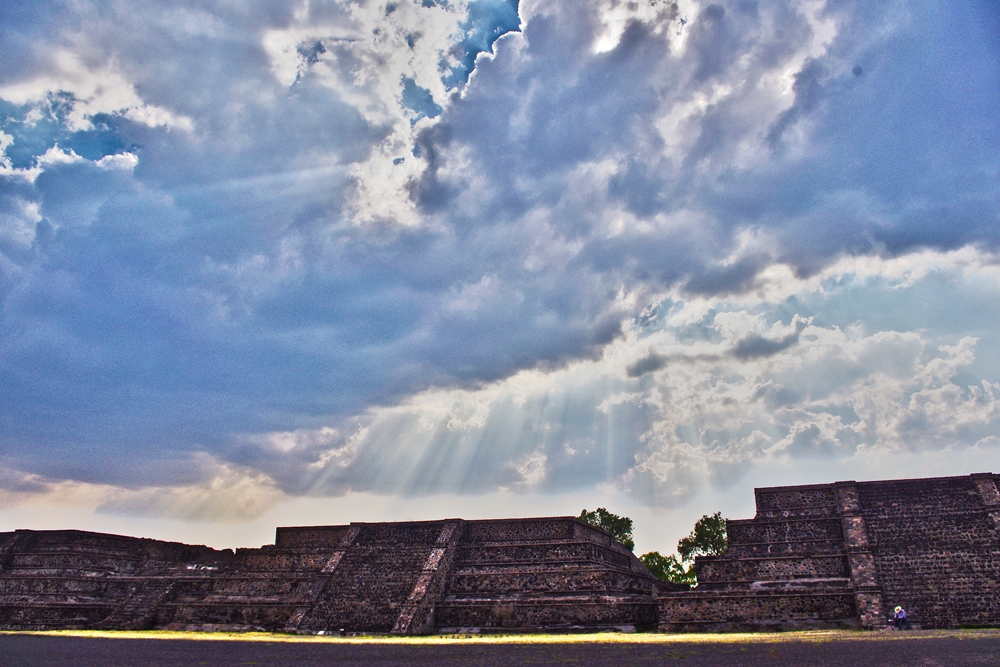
<point x="833" y="555"/>
<point x="138" y="610"/>
<point x="270" y="588"/>
<point x="542" y="575"/>
<point x="377" y="578"/>
<point x="400" y="578"/>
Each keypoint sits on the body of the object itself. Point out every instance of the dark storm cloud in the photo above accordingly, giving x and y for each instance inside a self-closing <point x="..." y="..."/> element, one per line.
<point x="648" y="364"/>
<point x="756" y="347"/>
<point x="654" y="361"/>
<point x="885" y="150"/>
<point x="222" y="288"/>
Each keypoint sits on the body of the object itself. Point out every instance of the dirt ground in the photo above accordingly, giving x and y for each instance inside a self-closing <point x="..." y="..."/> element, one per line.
<point x="814" y="649"/>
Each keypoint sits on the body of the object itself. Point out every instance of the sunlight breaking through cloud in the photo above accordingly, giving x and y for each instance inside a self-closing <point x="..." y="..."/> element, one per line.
<point x="309" y="251"/>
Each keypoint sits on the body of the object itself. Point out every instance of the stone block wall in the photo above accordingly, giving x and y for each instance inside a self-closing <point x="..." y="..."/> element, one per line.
<point x="830" y="555"/>
<point x="544" y="575"/>
<point x="936" y="548"/>
<point x="77" y="579"/>
<point x="786" y="568"/>
<point x="405" y="578"/>
<point x="371" y="583"/>
<point x="845" y="554"/>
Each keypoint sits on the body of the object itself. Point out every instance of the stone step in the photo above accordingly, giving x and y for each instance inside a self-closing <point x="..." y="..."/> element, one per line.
<point x="372" y="589"/>
<point x="529" y="542"/>
<point x="817" y="511"/>
<point x="41" y="585"/>
<point x="541" y="568"/>
<point x="357" y="615"/>
<point x="70" y="561"/>
<point x="754" y="606"/>
<point x="52" y="616"/>
<point x="53" y="599"/>
<point x="541" y="553"/>
<point x="787" y="497"/>
<point x="69" y="552"/>
<point x="785" y="548"/>
<point x="545" y="613"/>
<point x="397" y="536"/>
<point x="383" y="560"/>
<point x="591" y="579"/>
<point x="284" y="549"/>
<point x="783" y="530"/>
<point x="137" y="610"/>
<point x="257" y="614"/>
<point x="762" y="625"/>
<point x="381" y="567"/>
<point x="537" y="597"/>
<point x="790" y="584"/>
<point x="469" y="544"/>
<point x="215" y="600"/>
<point x="308" y="537"/>
<point x="243" y="586"/>
<point x="58" y="572"/>
<point x="312" y="561"/>
<point x="779" y="567"/>
<point x="523" y="529"/>
<point x="221" y="600"/>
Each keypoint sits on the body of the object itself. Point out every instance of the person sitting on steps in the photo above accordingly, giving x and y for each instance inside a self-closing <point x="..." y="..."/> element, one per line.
<point x="899" y="619"/>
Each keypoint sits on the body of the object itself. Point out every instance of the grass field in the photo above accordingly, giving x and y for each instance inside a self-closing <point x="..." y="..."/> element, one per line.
<point x="516" y="638"/>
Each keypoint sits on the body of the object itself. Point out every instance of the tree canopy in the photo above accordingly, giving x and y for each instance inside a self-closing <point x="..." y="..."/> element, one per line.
<point x="708" y="538"/>
<point x="668" y="568"/>
<point x="620" y="527"/>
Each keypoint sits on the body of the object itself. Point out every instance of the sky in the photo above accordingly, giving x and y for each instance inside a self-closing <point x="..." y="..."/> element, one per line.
<point x="318" y="261"/>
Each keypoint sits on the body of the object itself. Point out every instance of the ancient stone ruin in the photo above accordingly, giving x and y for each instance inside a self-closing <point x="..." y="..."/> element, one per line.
<point x="846" y="554"/>
<point x="814" y="556"/>
<point x="405" y="578"/>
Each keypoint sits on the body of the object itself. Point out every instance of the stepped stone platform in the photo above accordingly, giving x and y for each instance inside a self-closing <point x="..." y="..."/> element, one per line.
<point x="829" y="555"/>
<point x="548" y="574"/>
<point x="845" y="554"/>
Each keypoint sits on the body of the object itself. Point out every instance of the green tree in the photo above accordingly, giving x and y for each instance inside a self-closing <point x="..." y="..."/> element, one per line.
<point x="620" y="527"/>
<point x="669" y="568"/>
<point x="707" y="539"/>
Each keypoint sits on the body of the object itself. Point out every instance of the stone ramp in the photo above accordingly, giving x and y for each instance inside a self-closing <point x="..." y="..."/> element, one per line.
<point x="544" y="575"/>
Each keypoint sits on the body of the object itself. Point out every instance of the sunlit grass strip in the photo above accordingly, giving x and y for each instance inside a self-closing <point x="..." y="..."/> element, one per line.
<point x="813" y="636"/>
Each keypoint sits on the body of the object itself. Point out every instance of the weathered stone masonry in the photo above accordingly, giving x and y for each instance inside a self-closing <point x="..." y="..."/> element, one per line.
<point x="406" y="578"/>
<point x="813" y="556"/>
<point x="845" y="554"/>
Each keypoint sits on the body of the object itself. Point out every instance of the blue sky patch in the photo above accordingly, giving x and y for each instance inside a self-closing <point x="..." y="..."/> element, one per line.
<point x="419" y="100"/>
<point x="34" y="136"/>
<point x="488" y="20"/>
